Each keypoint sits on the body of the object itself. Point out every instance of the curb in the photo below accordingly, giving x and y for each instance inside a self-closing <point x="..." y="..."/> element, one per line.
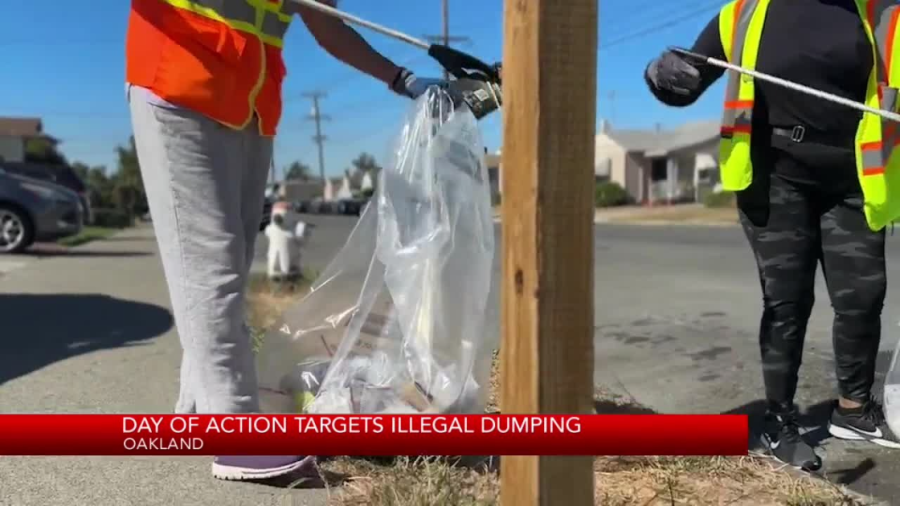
<point x="668" y="223"/>
<point x="656" y="223"/>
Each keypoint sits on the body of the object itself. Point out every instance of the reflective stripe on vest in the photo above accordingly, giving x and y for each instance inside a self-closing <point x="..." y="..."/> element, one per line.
<point x="738" y="20"/>
<point x="262" y="18"/>
<point x="740" y="29"/>
<point x="877" y="144"/>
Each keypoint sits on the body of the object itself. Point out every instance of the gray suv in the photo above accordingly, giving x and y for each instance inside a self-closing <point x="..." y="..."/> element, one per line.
<point x="34" y="210"/>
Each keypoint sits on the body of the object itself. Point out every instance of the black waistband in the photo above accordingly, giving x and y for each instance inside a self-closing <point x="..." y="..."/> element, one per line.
<point x="800" y="134"/>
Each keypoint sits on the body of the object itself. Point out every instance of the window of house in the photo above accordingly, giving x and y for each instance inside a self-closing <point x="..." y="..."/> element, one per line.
<point x="659" y="169"/>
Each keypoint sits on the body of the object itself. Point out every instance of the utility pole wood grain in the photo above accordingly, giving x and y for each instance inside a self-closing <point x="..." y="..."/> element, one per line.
<point x="547" y="355"/>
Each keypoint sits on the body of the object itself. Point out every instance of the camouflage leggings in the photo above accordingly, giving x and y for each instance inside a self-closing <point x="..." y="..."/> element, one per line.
<point x="792" y="228"/>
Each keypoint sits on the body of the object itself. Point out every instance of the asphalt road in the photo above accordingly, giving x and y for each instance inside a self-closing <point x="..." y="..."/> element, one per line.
<point x="677" y="311"/>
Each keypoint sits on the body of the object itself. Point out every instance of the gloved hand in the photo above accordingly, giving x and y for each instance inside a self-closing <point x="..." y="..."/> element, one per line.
<point x="482" y="97"/>
<point x="670" y="72"/>
<point x="409" y="85"/>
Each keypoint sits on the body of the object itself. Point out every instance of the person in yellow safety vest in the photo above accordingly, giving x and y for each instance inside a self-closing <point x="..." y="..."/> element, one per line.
<point x="815" y="182"/>
<point x="204" y="84"/>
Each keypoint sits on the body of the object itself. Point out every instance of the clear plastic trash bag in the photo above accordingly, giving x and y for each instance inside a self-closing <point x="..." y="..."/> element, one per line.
<point x="404" y="319"/>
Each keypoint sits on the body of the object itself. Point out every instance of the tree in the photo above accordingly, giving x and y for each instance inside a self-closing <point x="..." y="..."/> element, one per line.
<point x="43" y="150"/>
<point x="101" y="188"/>
<point x="81" y="170"/>
<point x="366" y="163"/>
<point x="128" y="186"/>
<point x="297" y="170"/>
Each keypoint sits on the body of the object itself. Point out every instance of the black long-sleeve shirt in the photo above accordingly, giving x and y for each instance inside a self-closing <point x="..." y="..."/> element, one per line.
<point x="819" y="43"/>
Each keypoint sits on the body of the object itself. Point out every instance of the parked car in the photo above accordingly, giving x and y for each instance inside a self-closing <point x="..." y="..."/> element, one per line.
<point x="352" y="207"/>
<point x="35" y="210"/>
<point x="267" y="213"/>
<point x="62" y="175"/>
<point x="320" y="206"/>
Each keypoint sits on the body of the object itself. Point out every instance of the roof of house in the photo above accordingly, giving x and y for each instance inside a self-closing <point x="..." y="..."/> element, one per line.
<point x="21" y="127"/>
<point x="492" y="160"/>
<point x="660" y="142"/>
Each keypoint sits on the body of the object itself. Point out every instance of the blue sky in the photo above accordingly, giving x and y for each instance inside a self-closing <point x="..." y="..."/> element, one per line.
<point x="68" y="69"/>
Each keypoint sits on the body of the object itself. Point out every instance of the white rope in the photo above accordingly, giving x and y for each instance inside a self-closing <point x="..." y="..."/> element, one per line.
<point x="791" y="85"/>
<point x="331" y="11"/>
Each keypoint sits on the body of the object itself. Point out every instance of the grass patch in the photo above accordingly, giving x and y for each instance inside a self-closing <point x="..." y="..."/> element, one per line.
<point x="87" y="234"/>
<point x="268" y="299"/>
<point x="618" y="481"/>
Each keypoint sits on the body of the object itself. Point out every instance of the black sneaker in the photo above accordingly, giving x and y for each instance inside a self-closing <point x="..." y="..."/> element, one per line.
<point x="782" y="437"/>
<point x="865" y="423"/>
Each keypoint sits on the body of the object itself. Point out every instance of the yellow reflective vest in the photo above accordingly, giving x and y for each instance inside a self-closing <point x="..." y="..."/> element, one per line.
<point x="877" y="162"/>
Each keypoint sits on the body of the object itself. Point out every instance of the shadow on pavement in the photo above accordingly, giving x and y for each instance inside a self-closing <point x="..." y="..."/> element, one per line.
<point x="87" y="254"/>
<point x="814" y="419"/>
<point x="39" y="330"/>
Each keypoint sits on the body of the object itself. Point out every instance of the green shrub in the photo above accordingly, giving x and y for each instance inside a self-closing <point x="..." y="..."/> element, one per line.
<point x="111" y="218"/>
<point x="719" y="199"/>
<point x="610" y="194"/>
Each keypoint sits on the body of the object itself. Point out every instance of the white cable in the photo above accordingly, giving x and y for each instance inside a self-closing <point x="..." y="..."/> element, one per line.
<point x="794" y="86"/>
<point x="331" y="11"/>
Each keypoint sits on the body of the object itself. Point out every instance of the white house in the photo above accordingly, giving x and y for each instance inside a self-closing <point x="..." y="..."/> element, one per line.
<point x="15" y="133"/>
<point x="654" y="166"/>
<point x="660" y="165"/>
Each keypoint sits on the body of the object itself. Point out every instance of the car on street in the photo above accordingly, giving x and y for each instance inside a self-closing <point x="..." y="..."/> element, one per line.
<point x="320" y="206"/>
<point x="352" y="207"/>
<point x="33" y="210"/>
<point x="62" y="175"/>
<point x="267" y="213"/>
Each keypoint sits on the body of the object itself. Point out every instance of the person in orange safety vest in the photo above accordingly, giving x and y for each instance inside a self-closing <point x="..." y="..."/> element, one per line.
<point x="204" y="84"/>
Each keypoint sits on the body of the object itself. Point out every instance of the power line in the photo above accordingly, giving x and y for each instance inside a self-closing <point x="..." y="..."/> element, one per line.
<point x="670" y="22"/>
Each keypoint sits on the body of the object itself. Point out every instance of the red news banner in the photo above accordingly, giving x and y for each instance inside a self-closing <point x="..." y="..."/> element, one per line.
<point x="373" y="435"/>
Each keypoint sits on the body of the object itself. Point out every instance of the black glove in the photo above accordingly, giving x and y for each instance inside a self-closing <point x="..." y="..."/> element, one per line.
<point x="482" y="97"/>
<point x="670" y="72"/>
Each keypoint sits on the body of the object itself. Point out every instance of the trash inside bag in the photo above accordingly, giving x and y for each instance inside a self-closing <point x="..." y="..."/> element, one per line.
<point x="403" y="319"/>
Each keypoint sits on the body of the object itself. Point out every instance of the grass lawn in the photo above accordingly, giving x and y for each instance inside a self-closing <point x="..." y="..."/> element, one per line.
<point x="618" y="481"/>
<point x="87" y="234"/>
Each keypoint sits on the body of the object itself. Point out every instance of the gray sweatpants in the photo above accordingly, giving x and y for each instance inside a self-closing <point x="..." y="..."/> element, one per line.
<point x="205" y="187"/>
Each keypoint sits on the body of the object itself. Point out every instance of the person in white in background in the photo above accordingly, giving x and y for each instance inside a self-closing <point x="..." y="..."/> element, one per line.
<point x="285" y="234"/>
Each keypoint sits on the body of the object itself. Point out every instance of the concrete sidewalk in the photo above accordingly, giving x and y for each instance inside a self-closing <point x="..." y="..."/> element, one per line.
<point x="91" y="332"/>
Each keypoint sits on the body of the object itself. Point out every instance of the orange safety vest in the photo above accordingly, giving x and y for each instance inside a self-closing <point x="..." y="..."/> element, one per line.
<point x="220" y="58"/>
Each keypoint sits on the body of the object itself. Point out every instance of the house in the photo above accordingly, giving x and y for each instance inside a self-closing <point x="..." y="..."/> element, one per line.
<point x="494" y="163"/>
<point x="660" y="165"/>
<point x="343" y="187"/>
<point x="15" y="134"/>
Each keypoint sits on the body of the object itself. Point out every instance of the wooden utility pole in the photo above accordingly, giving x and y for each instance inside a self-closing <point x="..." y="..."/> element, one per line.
<point x="547" y="353"/>
<point x="317" y="116"/>
<point x="445" y="38"/>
